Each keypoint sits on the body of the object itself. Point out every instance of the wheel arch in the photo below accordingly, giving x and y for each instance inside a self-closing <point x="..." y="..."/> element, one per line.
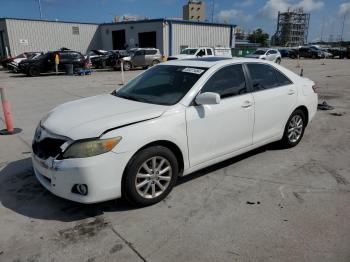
<point x="166" y="143"/>
<point x="305" y="111"/>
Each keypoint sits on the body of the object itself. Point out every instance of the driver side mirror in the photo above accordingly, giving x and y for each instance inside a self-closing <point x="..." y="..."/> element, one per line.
<point x="208" y="98"/>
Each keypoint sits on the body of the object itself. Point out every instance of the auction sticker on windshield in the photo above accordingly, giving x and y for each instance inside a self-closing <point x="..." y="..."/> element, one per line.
<point x="193" y="70"/>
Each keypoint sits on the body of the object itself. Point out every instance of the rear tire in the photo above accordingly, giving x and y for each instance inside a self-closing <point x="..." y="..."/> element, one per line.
<point x="150" y="176"/>
<point x="278" y="60"/>
<point x="126" y="66"/>
<point x="33" y="71"/>
<point x="294" y="129"/>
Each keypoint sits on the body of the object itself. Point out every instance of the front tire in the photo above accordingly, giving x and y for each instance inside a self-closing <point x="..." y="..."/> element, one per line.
<point x="294" y="129"/>
<point x="155" y="62"/>
<point x="278" y="60"/>
<point x="126" y="66"/>
<point x="150" y="176"/>
<point x="33" y="71"/>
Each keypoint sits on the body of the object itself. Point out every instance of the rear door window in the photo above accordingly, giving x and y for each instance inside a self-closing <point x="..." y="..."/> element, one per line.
<point x="282" y="79"/>
<point x="228" y="81"/>
<point x="265" y="77"/>
<point x="140" y="53"/>
<point x="209" y="52"/>
<point x="151" y="52"/>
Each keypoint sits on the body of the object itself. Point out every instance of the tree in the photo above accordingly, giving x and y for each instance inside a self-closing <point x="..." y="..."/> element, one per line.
<point x="259" y="36"/>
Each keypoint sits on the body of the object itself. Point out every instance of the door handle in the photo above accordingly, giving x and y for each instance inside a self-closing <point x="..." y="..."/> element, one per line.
<point x="291" y="92"/>
<point x="247" y="104"/>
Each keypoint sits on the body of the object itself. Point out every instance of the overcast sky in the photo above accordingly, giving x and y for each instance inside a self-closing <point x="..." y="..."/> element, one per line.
<point x="248" y="14"/>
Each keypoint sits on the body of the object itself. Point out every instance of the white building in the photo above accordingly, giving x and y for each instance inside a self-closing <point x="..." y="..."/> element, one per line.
<point x="168" y="35"/>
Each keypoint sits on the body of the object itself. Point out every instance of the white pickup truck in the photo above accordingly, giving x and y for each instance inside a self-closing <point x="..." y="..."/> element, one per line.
<point x="202" y="52"/>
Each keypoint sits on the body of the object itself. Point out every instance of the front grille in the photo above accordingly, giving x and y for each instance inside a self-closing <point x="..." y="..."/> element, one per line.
<point x="46" y="144"/>
<point x="48" y="147"/>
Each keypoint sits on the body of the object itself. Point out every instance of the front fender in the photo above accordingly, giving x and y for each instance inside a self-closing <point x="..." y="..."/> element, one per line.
<point x="169" y="127"/>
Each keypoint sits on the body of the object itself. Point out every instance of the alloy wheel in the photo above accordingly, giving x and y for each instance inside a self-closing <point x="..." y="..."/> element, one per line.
<point x="153" y="177"/>
<point x="295" y="128"/>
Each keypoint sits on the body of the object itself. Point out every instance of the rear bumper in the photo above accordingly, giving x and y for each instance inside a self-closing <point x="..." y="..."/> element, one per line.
<point x="102" y="174"/>
<point x="312" y="106"/>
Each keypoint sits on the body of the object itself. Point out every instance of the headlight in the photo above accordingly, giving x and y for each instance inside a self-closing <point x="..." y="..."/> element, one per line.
<point x="91" y="147"/>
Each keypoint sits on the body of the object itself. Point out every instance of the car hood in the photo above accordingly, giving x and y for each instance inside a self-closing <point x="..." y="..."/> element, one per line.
<point x="91" y="117"/>
<point x="18" y="60"/>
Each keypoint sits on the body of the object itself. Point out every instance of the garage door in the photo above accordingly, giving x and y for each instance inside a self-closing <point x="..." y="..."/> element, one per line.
<point x="148" y="39"/>
<point x="118" y="38"/>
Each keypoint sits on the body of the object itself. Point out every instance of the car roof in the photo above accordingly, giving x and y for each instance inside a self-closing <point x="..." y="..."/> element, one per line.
<point x="208" y="62"/>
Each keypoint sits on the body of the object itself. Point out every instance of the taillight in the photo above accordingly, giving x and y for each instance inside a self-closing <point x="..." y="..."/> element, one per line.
<point x="314" y="87"/>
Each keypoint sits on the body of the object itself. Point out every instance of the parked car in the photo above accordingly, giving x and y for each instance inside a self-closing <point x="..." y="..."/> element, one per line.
<point x="95" y="53"/>
<point x="187" y="53"/>
<point x="6" y="61"/>
<point x="173" y="119"/>
<point x="269" y="54"/>
<point x="46" y="62"/>
<point x="290" y="53"/>
<point x="140" y="57"/>
<point x="310" y="52"/>
<point x="338" y="52"/>
<point x="97" y="58"/>
<point x="13" y="66"/>
<point x="108" y="59"/>
<point x="326" y="53"/>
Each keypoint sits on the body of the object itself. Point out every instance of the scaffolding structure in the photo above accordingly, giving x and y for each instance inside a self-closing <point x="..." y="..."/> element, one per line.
<point x="292" y="28"/>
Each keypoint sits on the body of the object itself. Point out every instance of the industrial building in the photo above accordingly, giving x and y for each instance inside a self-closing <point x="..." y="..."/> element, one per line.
<point x="292" y="28"/>
<point x="170" y="36"/>
<point x="23" y="35"/>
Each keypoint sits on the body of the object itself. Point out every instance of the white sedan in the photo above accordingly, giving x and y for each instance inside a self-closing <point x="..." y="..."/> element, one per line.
<point x="171" y="120"/>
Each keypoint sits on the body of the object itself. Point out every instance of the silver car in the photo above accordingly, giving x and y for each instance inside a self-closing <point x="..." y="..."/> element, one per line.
<point x="142" y="57"/>
<point x="267" y="54"/>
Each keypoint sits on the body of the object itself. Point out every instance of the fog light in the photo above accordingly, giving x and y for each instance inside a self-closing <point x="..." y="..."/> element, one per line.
<point x="81" y="189"/>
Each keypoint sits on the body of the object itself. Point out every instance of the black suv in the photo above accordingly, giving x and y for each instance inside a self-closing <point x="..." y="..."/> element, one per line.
<point x="46" y="62"/>
<point x="310" y="52"/>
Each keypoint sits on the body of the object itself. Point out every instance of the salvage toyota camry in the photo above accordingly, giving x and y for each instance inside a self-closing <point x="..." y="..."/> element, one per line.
<point x="171" y="120"/>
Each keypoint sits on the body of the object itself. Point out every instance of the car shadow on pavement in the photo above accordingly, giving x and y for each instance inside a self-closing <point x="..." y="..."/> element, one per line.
<point x="23" y="194"/>
<point x="19" y="75"/>
<point x="228" y="162"/>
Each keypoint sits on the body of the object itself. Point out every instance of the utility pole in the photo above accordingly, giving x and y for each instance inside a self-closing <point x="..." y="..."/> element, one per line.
<point x="212" y="11"/>
<point x="342" y="30"/>
<point x="41" y="14"/>
<point x="322" y="29"/>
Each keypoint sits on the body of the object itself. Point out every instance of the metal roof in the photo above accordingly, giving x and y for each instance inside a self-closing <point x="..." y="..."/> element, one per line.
<point x="44" y="20"/>
<point x="173" y="21"/>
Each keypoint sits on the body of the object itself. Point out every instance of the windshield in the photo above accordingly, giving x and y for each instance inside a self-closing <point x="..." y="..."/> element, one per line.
<point x="40" y="56"/>
<point x="131" y="52"/>
<point x="259" y="52"/>
<point x="162" y="85"/>
<point x="32" y="55"/>
<point x="189" y="51"/>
